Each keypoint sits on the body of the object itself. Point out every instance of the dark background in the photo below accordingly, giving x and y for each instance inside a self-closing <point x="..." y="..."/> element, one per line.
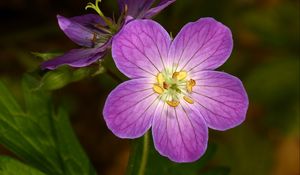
<point x="265" y="58"/>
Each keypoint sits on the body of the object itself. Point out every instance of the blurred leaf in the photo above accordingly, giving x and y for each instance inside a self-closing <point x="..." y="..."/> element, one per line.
<point x="56" y="79"/>
<point x="157" y="164"/>
<point x="45" y="56"/>
<point x="218" y="171"/>
<point x="37" y="136"/>
<point x="270" y="25"/>
<point x="7" y="101"/>
<point x="73" y="157"/>
<point x="10" y="166"/>
<point x="275" y="86"/>
<point x="28" y="134"/>
<point x="65" y="75"/>
<point x="244" y="151"/>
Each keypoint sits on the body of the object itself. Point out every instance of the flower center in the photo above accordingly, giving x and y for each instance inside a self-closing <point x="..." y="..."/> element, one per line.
<point x="173" y="87"/>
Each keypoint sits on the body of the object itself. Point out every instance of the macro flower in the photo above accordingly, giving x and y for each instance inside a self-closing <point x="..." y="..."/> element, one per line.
<point x="174" y="88"/>
<point x="95" y="32"/>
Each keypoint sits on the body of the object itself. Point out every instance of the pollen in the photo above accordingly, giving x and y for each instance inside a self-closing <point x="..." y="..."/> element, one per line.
<point x="158" y="89"/>
<point x="173" y="103"/>
<point x="190" y="84"/>
<point x="188" y="99"/>
<point x="179" y="75"/>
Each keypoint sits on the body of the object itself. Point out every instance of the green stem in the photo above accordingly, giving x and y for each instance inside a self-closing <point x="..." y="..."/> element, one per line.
<point x="114" y="76"/>
<point x="145" y="154"/>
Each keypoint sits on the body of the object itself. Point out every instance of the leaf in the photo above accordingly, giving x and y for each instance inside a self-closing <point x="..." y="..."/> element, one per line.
<point x="65" y="75"/>
<point x="73" y="157"/>
<point x="39" y="137"/>
<point x="10" y="166"/>
<point x="29" y="134"/>
<point x="7" y="101"/>
<point x="45" y="56"/>
<point x="157" y="164"/>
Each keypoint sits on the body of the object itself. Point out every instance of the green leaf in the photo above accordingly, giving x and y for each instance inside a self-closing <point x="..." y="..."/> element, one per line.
<point x="10" y="166"/>
<point x="157" y="164"/>
<point x="56" y="79"/>
<point x="45" y="56"/>
<point x="38" y="136"/>
<point x="65" y="75"/>
<point x="7" y="101"/>
<point x="73" y="157"/>
<point x="28" y="133"/>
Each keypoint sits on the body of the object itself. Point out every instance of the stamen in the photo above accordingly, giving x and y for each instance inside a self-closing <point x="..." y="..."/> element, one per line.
<point x="188" y="99"/>
<point x="158" y="89"/>
<point x="179" y="75"/>
<point x="190" y="84"/>
<point x="173" y="103"/>
<point x="160" y="78"/>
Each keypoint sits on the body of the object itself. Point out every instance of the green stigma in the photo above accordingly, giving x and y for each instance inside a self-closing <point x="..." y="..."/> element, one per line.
<point x="97" y="9"/>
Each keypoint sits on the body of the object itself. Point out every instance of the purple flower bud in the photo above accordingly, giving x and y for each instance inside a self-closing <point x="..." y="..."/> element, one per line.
<point x="92" y="32"/>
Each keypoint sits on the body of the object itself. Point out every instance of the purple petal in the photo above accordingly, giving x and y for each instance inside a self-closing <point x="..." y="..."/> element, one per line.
<point x="140" y="48"/>
<point x="136" y="8"/>
<point x="129" y="108"/>
<point x="155" y="10"/>
<point x="80" y="30"/>
<point x="220" y="98"/>
<point x="89" y="20"/>
<point x="179" y="133"/>
<point x="202" y="45"/>
<point x="76" y="58"/>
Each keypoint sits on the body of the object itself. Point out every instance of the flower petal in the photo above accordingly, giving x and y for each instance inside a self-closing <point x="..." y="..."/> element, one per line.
<point x="140" y="48"/>
<point x="179" y="133"/>
<point x="155" y="10"/>
<point x="80" y="30"/>
<point x="202" y="45"/>
<point x="129" y="108"/>
<point x="136" y="8"/>
<point x="220" y="98"/>
<point x="76" y="58"/>
<point x="89" y="20"/>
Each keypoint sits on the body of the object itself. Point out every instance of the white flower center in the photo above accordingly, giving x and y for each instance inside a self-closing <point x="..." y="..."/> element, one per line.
<point x="173" y="87"/>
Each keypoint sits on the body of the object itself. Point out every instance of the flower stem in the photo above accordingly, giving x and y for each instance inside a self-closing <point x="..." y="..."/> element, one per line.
<point x="144" y="155"/>
<point x="114" y="76"/>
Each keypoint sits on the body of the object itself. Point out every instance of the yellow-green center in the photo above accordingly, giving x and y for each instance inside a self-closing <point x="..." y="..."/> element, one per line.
<point x="173" y="87"/>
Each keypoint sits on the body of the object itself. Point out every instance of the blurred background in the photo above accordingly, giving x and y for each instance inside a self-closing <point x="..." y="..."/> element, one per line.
<point x="265" y="58"/>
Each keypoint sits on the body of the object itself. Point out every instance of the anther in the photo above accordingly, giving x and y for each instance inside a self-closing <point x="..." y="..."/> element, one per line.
<point x="173" y="103"/>
<point x="188" y="99"/>
<point x="160" y="78"/>
<point x="190" y="84"/>
<point x="158" y="89"/>
<point x="179" y="75"/>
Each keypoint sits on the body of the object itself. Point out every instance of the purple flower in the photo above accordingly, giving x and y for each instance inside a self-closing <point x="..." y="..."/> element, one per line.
<point x="95" y="32"/>
<point x="174" y="88"/>
<point x="142" y="8"/>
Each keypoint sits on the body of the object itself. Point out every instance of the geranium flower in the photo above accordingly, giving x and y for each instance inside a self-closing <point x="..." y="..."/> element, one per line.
<point x="174" y="88"/>
<point x="95" y="32"/>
